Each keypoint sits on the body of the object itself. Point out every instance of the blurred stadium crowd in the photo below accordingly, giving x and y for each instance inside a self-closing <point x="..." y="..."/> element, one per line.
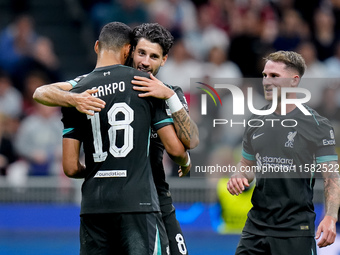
<point x="213" y="39"/>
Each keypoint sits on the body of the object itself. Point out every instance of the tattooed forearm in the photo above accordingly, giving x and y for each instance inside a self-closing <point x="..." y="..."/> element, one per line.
<point x="332" y="191"/>
<point x="186" y="129"/>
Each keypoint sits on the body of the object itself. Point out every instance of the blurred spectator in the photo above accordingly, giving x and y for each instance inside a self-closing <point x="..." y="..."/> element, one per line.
<point x="19" y="6"/>
<point x="206" y="36"/>
<point x="130" y="12"/>
<point x="33" y="80"/>
<point x="329" y="106"/>
<point x="324" y="37"/>
<point x="218" y="65"/>
<point x="245" y="48"/>
<point x="21" y="50"/>
<point x="307" y="11"/>
<point x="7" y="153"/>
<point x="45" y="58"/>
<point x="16" y="44"/>
<point x="39" y="140"/>
<point x="333" y="63"/>
<point x="178" y="16"/>
<point x="316" y="71"/>
<point x="180" y="67"/>
<point x="10" y="97"/>
<point x="292" y="31"/>
<point x="336" y="10"/>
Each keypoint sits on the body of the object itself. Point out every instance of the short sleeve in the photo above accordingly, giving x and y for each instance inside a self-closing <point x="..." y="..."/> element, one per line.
<point x="247" y="149"/>
<point x="325" y="142"/>
<point x="71" y="118"/>
<point x="76" y="80"/>
<point x="181" y="97"/>
<point x="160" y="118"/>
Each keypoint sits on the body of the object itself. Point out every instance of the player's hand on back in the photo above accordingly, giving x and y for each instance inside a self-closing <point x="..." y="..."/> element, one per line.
<point x="151" y="87"/>
<point x="236" y="184"/>
<point x="86" y="103"/>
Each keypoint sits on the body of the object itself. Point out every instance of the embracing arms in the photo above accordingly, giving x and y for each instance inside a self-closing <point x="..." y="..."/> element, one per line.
<point x="185" y="127"/>
<point x="57" y="94"/>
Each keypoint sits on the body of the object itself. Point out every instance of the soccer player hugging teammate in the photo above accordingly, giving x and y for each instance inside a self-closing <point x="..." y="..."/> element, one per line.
<point x="150" y="48"/>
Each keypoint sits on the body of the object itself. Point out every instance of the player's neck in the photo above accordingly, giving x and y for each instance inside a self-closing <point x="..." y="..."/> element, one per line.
<point x="108" y="58"/>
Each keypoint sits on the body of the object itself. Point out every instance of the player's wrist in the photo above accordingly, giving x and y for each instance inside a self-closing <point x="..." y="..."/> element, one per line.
<point x="174" y="103"/>
<point x="168" y="93"/>
<point x="188" y="161"/>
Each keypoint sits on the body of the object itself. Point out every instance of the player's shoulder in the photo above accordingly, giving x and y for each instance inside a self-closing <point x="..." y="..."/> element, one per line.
<point x="132" y="71"/>
<point x="178" y="90"/>
<point x="76" y="80"/>
<point x="316" y="119"/>
<point x="174" y="88"/>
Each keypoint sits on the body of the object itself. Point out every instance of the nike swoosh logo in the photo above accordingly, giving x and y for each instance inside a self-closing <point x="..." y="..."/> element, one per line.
<point x="256" y="136"/>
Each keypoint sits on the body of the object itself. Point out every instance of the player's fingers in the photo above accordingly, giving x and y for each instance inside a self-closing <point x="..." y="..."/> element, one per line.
<point x="245" y="182"/>
<point x="323" y="240"/>
<point x="240" y="184"/>
<point x="229" y="188"/>
<point x="142" y="89"/>
<point x="97" y="100"/>
<point x="331" y="238"/>
<point x="140" y="83"/>
<point x="88" y="112"/>
<point x="146" y="94"/>
<point x="318" y="232"/>
<point x="141" y="78"/>
<point x="233" y="186"/>
<point x="153" y="78"/>
<point x="92" y="91"/>
<point x="94" y="105"/>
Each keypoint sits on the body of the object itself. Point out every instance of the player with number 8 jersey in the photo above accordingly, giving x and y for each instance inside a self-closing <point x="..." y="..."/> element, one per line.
<point x="120" y="212"/>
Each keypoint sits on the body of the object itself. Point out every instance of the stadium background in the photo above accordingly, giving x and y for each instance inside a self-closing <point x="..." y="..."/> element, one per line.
<point x="214" y="38"/>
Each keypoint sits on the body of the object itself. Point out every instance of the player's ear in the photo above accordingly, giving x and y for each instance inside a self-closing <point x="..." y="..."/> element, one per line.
<point x="164" y="59"/>
<point x="127" y="49"/>
<point x="295" y="81"/>
<point x="96" y="47"/>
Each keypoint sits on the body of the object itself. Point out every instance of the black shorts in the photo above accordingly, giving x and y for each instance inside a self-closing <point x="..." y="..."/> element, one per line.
<point x="267" y="245"/>
<point x="173" y="229"/>
<point x="123" y="233"/>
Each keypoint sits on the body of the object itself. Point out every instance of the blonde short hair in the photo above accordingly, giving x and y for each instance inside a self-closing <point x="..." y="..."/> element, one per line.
<point x="291" y="59"/>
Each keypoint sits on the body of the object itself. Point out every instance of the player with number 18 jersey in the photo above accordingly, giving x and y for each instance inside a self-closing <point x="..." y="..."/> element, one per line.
<point x="119" y="177"/>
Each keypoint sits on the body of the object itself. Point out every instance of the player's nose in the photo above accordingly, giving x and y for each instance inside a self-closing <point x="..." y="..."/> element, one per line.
<point x="146" y="62"/>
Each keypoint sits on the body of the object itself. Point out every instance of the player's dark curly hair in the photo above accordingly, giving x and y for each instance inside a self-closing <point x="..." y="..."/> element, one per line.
<point x="155" y="33"/>
<point x="114" y="35"/>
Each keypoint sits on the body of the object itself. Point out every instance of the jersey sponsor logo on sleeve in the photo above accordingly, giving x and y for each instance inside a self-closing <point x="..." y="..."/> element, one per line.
<point x="331" y="141"/>
<point x="328" y="142"/>
<point x="110" y="173"/>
